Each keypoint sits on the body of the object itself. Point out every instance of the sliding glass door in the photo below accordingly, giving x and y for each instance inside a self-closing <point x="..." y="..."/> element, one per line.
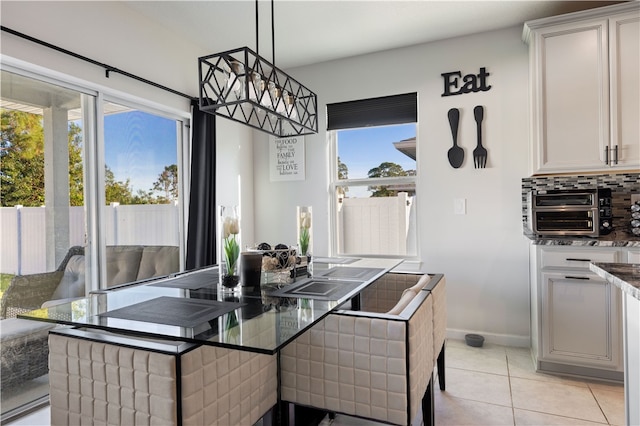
<point x="42" y="210"/>
<point x="90" y="189"/>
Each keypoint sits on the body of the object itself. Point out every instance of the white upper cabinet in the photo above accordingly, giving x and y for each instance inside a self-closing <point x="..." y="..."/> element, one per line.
<point x="585" y="90"/>
<point x="624" y="56"/>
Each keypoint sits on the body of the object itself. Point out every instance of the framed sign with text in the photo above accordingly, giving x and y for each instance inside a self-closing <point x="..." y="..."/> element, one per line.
<point x="286" y="158"/>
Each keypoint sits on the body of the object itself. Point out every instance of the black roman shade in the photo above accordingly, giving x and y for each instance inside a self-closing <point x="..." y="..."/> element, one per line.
<point x="383" y="111"/>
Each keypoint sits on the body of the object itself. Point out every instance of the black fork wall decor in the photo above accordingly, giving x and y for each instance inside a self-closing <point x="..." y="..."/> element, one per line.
<point x="456" y="153"/>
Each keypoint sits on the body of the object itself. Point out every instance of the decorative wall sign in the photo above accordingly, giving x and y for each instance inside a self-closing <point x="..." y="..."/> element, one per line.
<point x="470" y="82"/>
<point x="287" y="158"/>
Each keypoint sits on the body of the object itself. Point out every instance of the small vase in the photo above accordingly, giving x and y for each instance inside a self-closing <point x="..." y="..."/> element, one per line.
<point x="305" y="231"/>
<point x="229" y="232"/>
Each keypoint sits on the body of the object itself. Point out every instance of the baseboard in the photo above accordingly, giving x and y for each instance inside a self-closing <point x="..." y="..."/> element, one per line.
<point x="497" y="339"/>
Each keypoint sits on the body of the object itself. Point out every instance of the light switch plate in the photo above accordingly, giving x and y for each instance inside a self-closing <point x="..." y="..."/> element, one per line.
<point x="460" y="206"/>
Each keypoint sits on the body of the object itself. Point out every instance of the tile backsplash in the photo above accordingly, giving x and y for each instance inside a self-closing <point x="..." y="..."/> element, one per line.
<point x="622" y="186"/>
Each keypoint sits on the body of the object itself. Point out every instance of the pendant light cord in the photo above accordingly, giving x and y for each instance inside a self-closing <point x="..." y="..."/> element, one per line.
<point x="273" y="37"/>
<point x="257" y="32"/>
<point x="273" y="34"/>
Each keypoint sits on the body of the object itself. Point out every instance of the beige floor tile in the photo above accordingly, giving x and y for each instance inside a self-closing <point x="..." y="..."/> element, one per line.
<point x="521" y="365"/>
<point x="454" y="411"/>
<point x="488" y="359"/>
<point x="556" y="398"/>
<point x="611" y="387"/>
<point x="611" y="403"/>
<point x="478" y="386"/>
<point x="532" y="418"/>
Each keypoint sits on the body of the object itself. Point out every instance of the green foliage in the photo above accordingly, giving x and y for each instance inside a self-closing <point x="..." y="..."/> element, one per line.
<point x="22" y="156"/>
<point x="387" y="169"/>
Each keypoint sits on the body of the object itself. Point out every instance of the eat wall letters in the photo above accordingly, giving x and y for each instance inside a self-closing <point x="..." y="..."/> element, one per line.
<point x="470" y="82"/>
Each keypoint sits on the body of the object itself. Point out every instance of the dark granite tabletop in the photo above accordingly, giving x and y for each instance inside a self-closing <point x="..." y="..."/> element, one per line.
<point x="626" y="276"/>
<point x="193" y="307"/>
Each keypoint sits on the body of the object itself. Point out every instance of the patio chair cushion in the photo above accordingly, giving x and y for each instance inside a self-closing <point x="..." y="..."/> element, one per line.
<point x="158" y="260"/>
<point x="72" y="283"/>
<point x="123" y="263"/>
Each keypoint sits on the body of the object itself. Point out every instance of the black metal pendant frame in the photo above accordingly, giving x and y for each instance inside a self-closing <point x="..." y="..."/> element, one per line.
<point x="241" y="85"/>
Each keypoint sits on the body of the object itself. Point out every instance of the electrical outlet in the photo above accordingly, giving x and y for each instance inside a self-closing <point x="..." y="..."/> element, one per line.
<point x="460" y="206"/>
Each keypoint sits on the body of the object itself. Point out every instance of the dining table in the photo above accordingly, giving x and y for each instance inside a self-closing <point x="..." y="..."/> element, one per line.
<point x="178" y="313"/>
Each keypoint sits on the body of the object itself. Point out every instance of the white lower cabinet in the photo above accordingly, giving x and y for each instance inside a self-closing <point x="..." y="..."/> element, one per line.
<point x="576" y="315"/>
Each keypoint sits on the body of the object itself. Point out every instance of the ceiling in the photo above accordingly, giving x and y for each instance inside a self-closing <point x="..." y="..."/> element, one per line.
<point x="312" y="31"/>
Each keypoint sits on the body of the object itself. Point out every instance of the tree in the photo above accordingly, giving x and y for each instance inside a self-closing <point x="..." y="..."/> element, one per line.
<point x="76" y="172"/>
<point x="168" y="183"/>
<point x="22" y="156"/>
<point x="343" y="170"/>
<point x="387" y="169"/>
<point x="116" y="191"/>
<point x="343" y="173"/>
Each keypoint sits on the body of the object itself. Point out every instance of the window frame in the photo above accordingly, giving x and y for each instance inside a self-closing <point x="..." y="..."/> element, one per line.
<point x="335" y="183"/>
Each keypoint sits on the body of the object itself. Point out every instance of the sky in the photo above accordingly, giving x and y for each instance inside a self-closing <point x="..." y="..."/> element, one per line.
<point x="138" y="146"/>
<point x="363" y="149"/>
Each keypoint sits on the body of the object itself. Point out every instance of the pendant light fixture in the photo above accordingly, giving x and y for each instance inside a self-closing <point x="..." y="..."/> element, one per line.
<point x="241" y="85"/>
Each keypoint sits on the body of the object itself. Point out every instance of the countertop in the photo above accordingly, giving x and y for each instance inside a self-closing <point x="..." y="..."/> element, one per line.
<point x="615" y="239"/>
<point x="625" y="276"/>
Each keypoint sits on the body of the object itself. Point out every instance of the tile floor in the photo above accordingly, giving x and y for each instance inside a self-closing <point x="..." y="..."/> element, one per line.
<point x="496" y="385"/>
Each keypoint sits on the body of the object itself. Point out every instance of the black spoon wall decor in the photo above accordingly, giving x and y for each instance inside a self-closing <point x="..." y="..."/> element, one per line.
<point x="455" y="153"/>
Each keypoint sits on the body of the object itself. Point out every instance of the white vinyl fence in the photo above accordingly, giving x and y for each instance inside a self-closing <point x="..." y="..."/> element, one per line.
<point x="23" y="232"/>
<point x="377" y="225"/>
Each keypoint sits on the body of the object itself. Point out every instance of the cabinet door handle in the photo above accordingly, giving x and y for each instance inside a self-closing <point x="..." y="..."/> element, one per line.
<point x="573" y="259"/>
<point x="606" y="155"/>
<point x="615" y="154"/>
<point x="569" y="277"/>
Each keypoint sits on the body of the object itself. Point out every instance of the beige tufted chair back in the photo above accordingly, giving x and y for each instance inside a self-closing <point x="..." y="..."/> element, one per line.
<point x="371" y="363"/>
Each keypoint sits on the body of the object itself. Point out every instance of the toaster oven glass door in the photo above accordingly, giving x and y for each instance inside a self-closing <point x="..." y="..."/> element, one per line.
<point x="580" y="222"/>
<point x="566" y="200"/>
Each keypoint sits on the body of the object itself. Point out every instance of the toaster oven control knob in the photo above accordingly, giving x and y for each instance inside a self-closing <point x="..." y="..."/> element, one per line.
<point x="606" y="224"/>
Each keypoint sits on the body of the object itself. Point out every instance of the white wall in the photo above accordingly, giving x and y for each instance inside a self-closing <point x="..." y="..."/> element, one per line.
<point x="483" y="254"/>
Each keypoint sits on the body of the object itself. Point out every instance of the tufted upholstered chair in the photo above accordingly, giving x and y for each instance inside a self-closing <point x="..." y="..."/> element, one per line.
<point x="110" y="379"/>
<point x="438" y="289"/>
<point x="375" y="363"/>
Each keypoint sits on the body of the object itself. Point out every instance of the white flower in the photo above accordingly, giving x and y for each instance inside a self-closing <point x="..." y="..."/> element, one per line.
<point x="231" y="226"/>
<point x="305" y="220"/>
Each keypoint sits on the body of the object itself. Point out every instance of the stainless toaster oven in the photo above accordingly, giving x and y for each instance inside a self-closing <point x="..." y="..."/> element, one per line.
<point x="570" y="212"/>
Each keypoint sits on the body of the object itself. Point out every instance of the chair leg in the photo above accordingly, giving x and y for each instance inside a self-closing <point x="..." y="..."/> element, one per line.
<point x="440" y="363"/>
<point x="428" y="405"/>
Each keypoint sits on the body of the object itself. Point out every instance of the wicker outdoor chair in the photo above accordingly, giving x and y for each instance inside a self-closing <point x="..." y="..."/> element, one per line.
<point x="28" y="292"/>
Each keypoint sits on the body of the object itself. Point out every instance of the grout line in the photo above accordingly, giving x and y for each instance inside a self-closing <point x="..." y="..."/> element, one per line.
<point x="513" y="409"/>
<point x="599" y="405"/>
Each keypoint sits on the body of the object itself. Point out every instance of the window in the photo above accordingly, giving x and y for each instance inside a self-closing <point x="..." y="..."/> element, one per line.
<point x="373" y="177"/>
<point x="140" y="177"/>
